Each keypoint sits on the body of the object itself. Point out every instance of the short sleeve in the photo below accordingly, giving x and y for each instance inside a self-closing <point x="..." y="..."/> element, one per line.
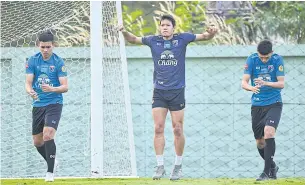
<point x="280" y="67"/>
<point x="62" y="70"/>
<point x="29" y="66"/>
<point x="188" y="37"/>
<point x="147" y="40"/>
<point x="248" y="68"/>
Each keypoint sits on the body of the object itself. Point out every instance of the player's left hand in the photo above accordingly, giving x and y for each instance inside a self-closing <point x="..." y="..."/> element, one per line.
<point x="259" y="82"/>
<point x="212" y="29"/>
<point x="46" y="88"/>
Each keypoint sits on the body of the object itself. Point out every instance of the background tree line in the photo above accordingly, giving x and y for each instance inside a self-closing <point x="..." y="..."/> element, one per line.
<point x="239" y="22"/>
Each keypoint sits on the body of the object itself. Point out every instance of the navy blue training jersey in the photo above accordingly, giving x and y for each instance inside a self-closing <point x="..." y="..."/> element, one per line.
<point x="169" y="59"/>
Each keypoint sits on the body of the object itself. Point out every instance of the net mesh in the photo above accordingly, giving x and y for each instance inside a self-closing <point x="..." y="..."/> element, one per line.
<point x="219" y="139"/>
<point x="21" y="22"/>
<point x="116" y="153"/>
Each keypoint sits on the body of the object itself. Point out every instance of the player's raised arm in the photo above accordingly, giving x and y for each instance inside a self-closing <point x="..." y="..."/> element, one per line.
<point x="131" y="38"/>
<point x="208" y="34"/>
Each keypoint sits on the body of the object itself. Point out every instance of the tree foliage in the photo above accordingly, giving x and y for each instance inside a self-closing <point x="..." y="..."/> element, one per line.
<point x="239" y="22"/>
<point x="280" y="21"/>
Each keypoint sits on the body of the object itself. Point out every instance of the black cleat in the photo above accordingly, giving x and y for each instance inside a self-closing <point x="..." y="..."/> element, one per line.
<point x="263" y="177"/>
<point x="273" y="172"/>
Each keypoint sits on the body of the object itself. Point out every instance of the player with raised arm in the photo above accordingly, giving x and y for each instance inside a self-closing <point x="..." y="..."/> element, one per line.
<point x="168" y="51"/>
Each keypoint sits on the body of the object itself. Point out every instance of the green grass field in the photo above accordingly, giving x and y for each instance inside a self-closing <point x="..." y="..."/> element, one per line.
<point x="149" y="181"/>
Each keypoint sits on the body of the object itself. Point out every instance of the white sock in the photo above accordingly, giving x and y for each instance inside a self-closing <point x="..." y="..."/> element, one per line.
<point x="160" y="160"/>
<point x="178" y="160"/>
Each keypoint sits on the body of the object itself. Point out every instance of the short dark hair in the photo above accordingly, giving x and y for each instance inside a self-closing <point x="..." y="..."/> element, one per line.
<point x="264" y="47"/>
<point x="168" y="17"/>
<point x="46" y="36"/>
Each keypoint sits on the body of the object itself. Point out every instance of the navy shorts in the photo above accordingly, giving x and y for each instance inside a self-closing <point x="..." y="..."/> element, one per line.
<point x="173" y="100"/>
<point x="45" y="116"/>
<point x="265" y="115"/>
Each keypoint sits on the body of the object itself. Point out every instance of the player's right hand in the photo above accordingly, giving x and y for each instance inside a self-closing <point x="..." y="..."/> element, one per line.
<point x="121" y="28"/>
<point x="255" y="89"/>
<point x="33" y="94"/>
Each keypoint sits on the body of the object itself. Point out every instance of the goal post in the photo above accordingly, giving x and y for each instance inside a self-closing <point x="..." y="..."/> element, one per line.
<point x="96" y="89"/>
<point x="113" y="151"/>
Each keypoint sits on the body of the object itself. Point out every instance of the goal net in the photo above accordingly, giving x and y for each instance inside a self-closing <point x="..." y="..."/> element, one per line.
<point x="114" y="108"/>
<point x="21" y="23"/>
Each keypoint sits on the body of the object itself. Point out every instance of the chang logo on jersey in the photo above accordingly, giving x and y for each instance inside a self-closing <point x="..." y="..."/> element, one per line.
<point x="167" y="59"/>
<point x="43" y="79"/>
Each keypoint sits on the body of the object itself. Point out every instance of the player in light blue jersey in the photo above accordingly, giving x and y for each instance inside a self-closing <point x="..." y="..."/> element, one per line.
<point x="46" y="80"/>
<point x="168" y="52"/>
<point x="265" y="69"/>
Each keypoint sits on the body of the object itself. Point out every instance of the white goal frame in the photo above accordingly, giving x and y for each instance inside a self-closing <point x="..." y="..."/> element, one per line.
<point x="96" y="40"/>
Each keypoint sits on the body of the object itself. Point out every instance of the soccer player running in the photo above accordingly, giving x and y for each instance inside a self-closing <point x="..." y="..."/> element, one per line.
<point x="168" y="52"/>
<point x="266" y="71"/>
<point x="46" y="80"/>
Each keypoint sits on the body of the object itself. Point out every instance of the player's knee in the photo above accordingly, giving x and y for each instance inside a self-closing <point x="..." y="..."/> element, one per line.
<point x="159" y="129"/>
<point x="269" y="132"/>
<point x="261" y="144"/>
<point x="38" y="142"/>
<point x="178" y="130"/>
<point x="269" y="135"/>
<point x="48" y="135"/>
<point x="47" y="138"/>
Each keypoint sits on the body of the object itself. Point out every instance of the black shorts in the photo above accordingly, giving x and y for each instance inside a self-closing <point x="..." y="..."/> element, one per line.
<point x="265" y="115"/>
<point x="45" y="116"/>
<point x="173" y="100"/>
